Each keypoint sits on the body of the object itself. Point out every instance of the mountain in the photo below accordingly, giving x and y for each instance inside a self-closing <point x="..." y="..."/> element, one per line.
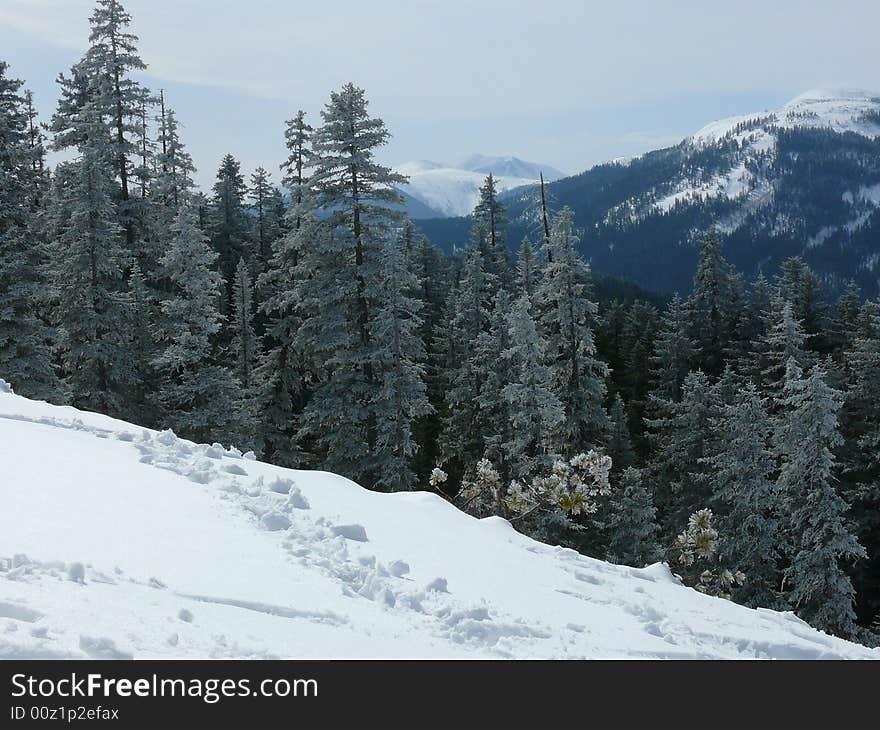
<point x="443" y="190"/>
<point x="509" y="167"/>
<point x="803" y="180"/>
<point x="118" y="542"/>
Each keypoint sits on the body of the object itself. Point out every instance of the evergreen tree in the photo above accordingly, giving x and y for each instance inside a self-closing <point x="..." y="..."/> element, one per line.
<point x="535" y="412"/>
<point x="244" y="346"/>
<point x="783" y="341"/>
<point x="197" y="396"/>
<point x="297" y="137"/>
<point x="344" y="268"/>
<point x="487" y="234"/>
<point x="526" y="269"/>
<point x="116" y="98"/>
<point x="461" y="443"/>
<point x="493" y="373"/>
<point x="819" y="540"/>
<point x="90" y="263"/>
<point x="745" y="496"/>
<point x="229" y="226"/>
<point x="712" y="305"/>
<point x="174" y="178"/>
<point x="674" y="352"/>
<point x="142" y="347"/>
<point x="401" y="397"/>
<point x="798" y="285"/>
<point x="860" y="420"/>
<point x="567" y="318"/>
<point x="25" y="356"/>
<point x="846" y="315"/>
<point x="640" y="325"/>
<point x="632" y="524"/>
<point x="682" y="436"/>
<point x="619" y="445"/>
<point x="266" y="223"/>
<point x="280" y="377"/>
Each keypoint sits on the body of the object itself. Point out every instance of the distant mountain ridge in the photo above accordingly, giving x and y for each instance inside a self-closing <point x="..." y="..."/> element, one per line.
<point x="438" y="189"/>
<point x="801" y="180"/>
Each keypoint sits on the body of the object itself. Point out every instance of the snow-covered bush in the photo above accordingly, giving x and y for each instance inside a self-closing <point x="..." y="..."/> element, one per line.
<point x="697" y="546"/>
<point x="551" y="503"/>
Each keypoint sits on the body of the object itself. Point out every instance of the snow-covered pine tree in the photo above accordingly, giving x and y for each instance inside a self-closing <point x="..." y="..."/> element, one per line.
<point x="244" y="346"/>
<point x="860" y="424"/>
<point x="675" y="352"/>
<point x="713" y="305"/>
<point x="534" y="411"/>
<point x="527" y="269"/>
<point x="37" y="143"/>
<point x="197" y="397"/>
<point x="25" y="355"/>
<point x="117" y="98"/>
<point x="744" y="497"/>
<point x="846" y="316"/>
<point x="632" y="525"/>
<point x="401" y="397"/>
<point x="175" y="170"/>
<point x="798" y="284"/>
<point x="619" y="443"/>
<point x="90" y="261"/>
<point x="469" y="316"/>
<point x="634" y="347"/>
<point x="567" y="317"/>
<point x="266" y="223"/>
<point x="297" y="136"/>
<point x="430" y="268"/>
<point x="279" y="378"/>
<point x="681" y="436"/>
<point x="142" y="316"/>
<point x="819" y="541"/>
<point x="784" y="340"/>
<point x="360" y="209"/>
<point x="229" y="222"/>
<point x="493" y="372"/>
<point x="488" y="235"/>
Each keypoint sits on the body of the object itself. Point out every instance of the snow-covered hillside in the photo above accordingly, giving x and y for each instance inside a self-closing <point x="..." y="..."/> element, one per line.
<point x="453" y="189"/>
<point x="118" y="542"/>
<point x="756" y="135"/>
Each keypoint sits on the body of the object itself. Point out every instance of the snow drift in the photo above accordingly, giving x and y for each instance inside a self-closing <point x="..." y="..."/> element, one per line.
<point x="117" y="542"/>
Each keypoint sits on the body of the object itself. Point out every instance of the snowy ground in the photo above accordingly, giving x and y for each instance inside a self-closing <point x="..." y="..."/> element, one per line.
<point x="121" y="542"/>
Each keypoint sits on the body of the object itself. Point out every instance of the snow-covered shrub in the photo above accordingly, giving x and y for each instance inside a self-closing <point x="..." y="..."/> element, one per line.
<point x="549" y="506"/>
<point x="697" y="546"/>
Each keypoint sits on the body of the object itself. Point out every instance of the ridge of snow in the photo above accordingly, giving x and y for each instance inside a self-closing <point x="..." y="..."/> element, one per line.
<point x="118" y="541"/>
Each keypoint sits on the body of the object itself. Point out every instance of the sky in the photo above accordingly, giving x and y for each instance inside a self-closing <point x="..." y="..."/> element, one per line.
<point x="567" y="83"/>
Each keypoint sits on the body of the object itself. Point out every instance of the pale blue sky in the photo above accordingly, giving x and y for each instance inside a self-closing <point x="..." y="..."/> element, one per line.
<point x="565" y="82"/>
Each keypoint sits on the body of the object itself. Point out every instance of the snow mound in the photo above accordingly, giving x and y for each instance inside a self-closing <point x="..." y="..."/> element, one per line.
<point x="118" y="542"/>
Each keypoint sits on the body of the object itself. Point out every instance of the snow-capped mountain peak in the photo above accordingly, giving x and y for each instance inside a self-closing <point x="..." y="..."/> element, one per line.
<point x="749" y="144"/>
<point x="838" y="110"/>
<point x="452" y="189"/>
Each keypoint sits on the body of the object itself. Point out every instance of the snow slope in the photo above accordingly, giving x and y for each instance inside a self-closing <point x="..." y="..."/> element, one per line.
<point x="839" y="110"/>
<point x="746" y="177"/>
<point x="453" y="189"/>
<point x="116" y="542"/>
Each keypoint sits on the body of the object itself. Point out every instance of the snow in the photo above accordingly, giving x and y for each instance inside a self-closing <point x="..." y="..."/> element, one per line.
<point x="756" y="136"/>
<point x="453" y="189"/>
<point x="116" y="541"/>
<point x="839" y="110"/>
